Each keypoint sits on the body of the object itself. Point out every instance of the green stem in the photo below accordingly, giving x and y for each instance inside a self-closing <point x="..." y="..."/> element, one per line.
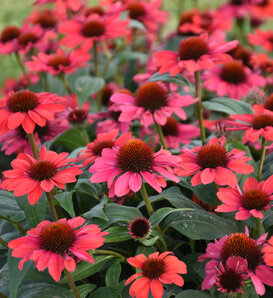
<point x="160" y="134"/>
<point x="4" y="243"/>
<point x="15" y="224"/>
<point x="43" y="81"/>
<point x="21" y="65"/>
<point x="65" y="83"/>
<point x="108" y="252"/>
<point x="96" y="59"/>
<point x="51" y="204"/>
<point x="258" y="227"/>
<point x="260" y="170"/>
<point x="33" y="145"/>
<point x="199" y="106"/>
<point x="72" y="283"/>
<point x="146" y="199"/>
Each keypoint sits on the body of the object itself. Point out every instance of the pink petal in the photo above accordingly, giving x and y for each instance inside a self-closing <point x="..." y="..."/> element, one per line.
<point x="55" y="266"/>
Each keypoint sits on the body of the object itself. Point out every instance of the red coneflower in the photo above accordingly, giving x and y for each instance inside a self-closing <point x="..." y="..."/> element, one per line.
<point x="139" y="228"/>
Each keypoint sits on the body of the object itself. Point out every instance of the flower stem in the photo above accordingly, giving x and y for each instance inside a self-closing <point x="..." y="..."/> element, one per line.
<point x="160" y="134"/>
<point x="21" y="65"/>
<point x="258" y="227"/>
<point x="260" y="170"/>
<point x="34" y="147"/>
<point x="146" y="199"/>
<point x="96" y="59"/>
<point x="65" y="83"/>
<point x="4" y="243"/>
<point x="199" y="106"/>
<point x="51" y="204"/>
<point x="72" y="283"/>
<point x="15" y="224"/>
<point x="108" y="252"/>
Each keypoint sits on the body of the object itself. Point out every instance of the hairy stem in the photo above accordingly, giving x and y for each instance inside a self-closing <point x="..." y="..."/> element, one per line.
<point x="108" y="252"/>
<point x="146" y="199"/>
<point x="161" y="135"/>
<point x="21" y="65"/>
<point x="34" y="147"/>
<point x="260" y="170"/>
<point x="65" y="83"/>
<point x="72" y="283"/>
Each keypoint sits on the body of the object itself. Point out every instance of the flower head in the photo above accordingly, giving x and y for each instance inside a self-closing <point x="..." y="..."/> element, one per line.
<point x="256" y="198"/>
<point x="267" y="250"/>
<point x="58" y="245"/>
<point x="151" y="101"/>
<point x="156" y="270"/>
<point x="103" y="140"/>
<point x="194" y="53"/>
<point x="233" y="79"/>
<point x="125" y="166"/>
<point x="262" y="38"/>
<point x="8" y="40"/>
<point x="139" y="228"/>
<point x="212" y="163"/>
<point x="241" y="245"/>
<point x="28" y="109"/>
<point x="32" y="177"/>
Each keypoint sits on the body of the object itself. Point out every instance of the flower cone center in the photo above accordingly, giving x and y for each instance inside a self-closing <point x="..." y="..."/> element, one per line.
<point x="93" y="28"/>
<point x="151" y="96"/>
<point x="135" y="156"/>
<point x="136" y="10"/>
<point x="233" y="72"/>
<point x="231" y="280"/>
<point x="27" y="37"/>
<point x="153" y="268"/>
<point x="42" y="170"/>
<point x="255" y="199"/>
<point x="94" y="10"/>
<point x="262" y="121"/>
<point x="97" y="149"/>
<point x="170" y="128"/>
<point x="237" y="2"/>
<point x="140" y="228"/>
<point x="22" y="101"/>
<point x="58" y="60"/>
<point x="107" y="92"/>
<point x="46" y="19"/>
<point x="77" y="116"/>
<point x="192" y="48"/>
<point x="57" y="237"/>
<point x="212" y="156"/>
<point x="10" y="33"/>
<point x="239" y="244"/>
<point x="269" y="103"/>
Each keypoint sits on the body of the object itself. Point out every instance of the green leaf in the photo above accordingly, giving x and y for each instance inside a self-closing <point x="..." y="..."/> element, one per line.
<point x="86" y="86"/>
<point x="110" y="292"/>
<point x="34" y="213"/>
<point x="268" y="219"/>
<point x="9" y="207"/>
<point x="137" y="24"/>
<point x="85" y="269"/>
<point x="175" y="197"/>
<point x="117" y="234"/>
<point x="228" y="106"/>
<point x="161" y="213"/>
<point x="200" y="224"/>
<point x="125" y="56"/>
<point x="192" y="294"/>
<point x="116" y="212"/>
<point x="112" y="274"/>
<point x="42" y="289"/>
<point x="177" y="79"/>
<point x="97" y="211"/>
<point x="91" y="189"/>
<point x="65" y="200"/>
<point x="150" y="242"/>
<point x="15" y="275"/>
<point x="70" y="139"/>
<point x="205" y="193"/>
<point x="83" y="290"/>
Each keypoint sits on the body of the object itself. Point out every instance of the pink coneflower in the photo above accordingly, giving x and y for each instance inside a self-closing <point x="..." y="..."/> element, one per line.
<point x="213" y="163"/>
<point x="242" y="54"/>
<point x="229" y="278"/>
<point x="176" y="133"/>
<point x="262" y="62"/>
<point x="240" y="244"/>
<point x="32" y="177"/>
<point x="28" y="109"/>
<point x="103" y="140"/>
<point x="73" y="5"/>
<point x="93" y="28"/>
<point x="156" y="270"/>
<point x="8" y="40"/>
<point x="256" y="198"/>
<point x="262" y="38"/>
<point x="258" y="124"/>
<point x="47" y="19"/>
<point x="59" y="62"/>
<point x="139" y="228"/>
<point x="267" y="250"/>
<point x="12" y="84"/>
<point x="148" y="13"/>
<point x="58" y="245"/>
<point x="124" y="167"/>
<point x="194" y="53"/>
<point x="233" y="79"/>
<point x="151" y="100"/>
<point x="262" y="8"/>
